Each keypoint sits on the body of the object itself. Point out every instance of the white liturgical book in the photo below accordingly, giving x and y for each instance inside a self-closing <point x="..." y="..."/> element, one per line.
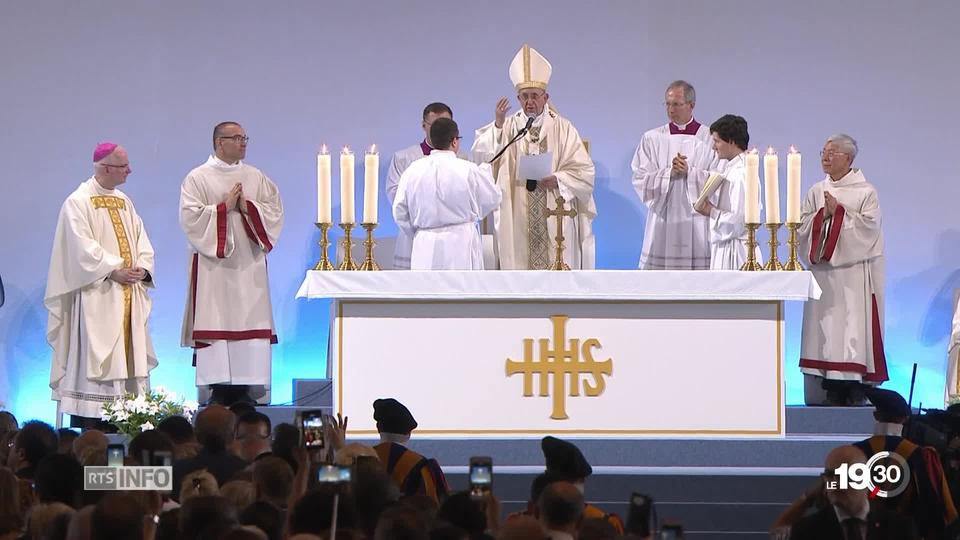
<point x="711" y="186"/>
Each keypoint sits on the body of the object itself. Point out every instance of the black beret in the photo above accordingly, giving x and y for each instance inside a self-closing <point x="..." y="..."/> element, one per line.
<point x="393" y="417"/>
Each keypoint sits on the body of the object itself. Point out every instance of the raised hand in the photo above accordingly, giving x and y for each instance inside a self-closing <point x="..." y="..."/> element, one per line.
<point x="500" y="112"/>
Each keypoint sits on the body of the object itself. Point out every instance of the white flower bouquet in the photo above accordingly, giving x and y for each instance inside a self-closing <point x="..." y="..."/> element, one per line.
<point x="133" y="414"/>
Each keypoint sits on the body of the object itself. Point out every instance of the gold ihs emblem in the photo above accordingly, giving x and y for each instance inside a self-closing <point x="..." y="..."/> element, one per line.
<point x="559" y="361"/>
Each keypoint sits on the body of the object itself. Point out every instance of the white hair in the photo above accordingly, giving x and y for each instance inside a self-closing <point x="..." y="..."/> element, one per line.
<point x="847" y="144"/>
<point x="689" y="94"/>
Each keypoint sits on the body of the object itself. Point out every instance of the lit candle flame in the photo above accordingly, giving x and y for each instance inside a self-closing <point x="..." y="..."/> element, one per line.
<point x="324" y="150"/>
<point x="373" y="149"/>
<point x="793" y="149"/>
<point x="346" y="150"/>
<point x="771" y="151"/>
<point x="753" y="150"/>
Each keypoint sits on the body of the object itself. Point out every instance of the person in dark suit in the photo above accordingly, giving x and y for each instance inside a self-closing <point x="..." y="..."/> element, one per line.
<point x="849" y="516"/>
<point x="214" y="429"/>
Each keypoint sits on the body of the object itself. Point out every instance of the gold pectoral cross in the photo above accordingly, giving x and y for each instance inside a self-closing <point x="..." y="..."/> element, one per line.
<point x="560" y="212"/>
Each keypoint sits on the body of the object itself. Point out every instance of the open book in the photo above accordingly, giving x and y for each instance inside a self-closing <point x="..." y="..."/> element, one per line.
<point x="711" y="186"/>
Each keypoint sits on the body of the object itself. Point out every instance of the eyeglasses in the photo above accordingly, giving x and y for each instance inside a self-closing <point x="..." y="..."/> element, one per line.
<point x="239" y="139"/>
<point x="124" y="166"/>
<point x="532" y="97"/>
<point x="829" y="154"/>
<point x="458" y="138"/>
<point x="672" y="104"/>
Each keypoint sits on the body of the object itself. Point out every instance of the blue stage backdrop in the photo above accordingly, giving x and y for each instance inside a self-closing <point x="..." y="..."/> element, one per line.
<point x="156" y="77"/>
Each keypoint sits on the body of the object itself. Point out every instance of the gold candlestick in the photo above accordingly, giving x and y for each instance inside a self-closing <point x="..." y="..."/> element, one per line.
<point x="324" y="263"/>
<point x="560" y="212"/>
<point x="773" y="263"/>
<point x="369" y="263"/>
<point x="751" y="265"/>
<point x="793" y="263"/>
<point x="347" y="242"/>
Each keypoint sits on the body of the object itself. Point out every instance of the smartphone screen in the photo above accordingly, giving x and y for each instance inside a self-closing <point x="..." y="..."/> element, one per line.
<point x="671" y="532"/>
<point x="161" y="458"/>
<point x="115" y="455"/>
<point x="638" y="516"/>
<point x="333" y="474"/>
<point x="311" y="429"/>
<point x="480" y="476"/>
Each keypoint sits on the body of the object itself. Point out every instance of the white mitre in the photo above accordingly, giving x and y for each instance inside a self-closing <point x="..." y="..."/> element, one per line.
<point x="530" y="69"/>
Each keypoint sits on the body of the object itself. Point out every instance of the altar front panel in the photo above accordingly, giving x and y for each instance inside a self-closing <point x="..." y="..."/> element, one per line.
<point x="656" y="368"/>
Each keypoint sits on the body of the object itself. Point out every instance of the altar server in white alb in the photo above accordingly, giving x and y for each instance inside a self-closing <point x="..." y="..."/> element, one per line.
<point x="525" y="236"/>
<point x="100" y="268"/>
<point x="232" y="216"/>
<point x="841" y="238"/>
<point x="728" y="232"/>
<point x="440" y="200"/>
<point x="401" y="160"/>
<point x="670" y="168"/>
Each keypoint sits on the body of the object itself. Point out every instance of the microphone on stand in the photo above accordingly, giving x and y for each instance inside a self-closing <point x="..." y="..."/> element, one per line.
<point x="516" y="138"/>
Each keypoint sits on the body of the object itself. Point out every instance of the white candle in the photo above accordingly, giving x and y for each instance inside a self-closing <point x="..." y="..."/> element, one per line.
<point x="371" y="184"/>
<point x="323" y="186"/>
<point x="347" y="214"/>
<point x="793" y="186"/>
<point x="771" y="186"/>
<point x="751" y="213"/>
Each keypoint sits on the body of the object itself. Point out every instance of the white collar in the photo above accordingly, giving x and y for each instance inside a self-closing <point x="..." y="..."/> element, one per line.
<point x="886" y="428"/>
<point x="218" y="163"/>
<point x="558" y="535"/>
<point x="395" y="438"/>
<point x="97" y="187"/>
<point x="683" y="126"/>
<point x="842" y="515"/>
<point x="445" y="153"/>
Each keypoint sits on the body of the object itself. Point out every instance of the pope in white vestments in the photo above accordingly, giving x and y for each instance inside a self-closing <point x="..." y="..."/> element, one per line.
<point x="525" y="236"/>
<point x="841" y="238"/>
<point x="401" y="160"/>
<point x="232" y="216"/>
<point x="440" y="200"/>
<point x="670" y="167"/>
<point x="100" y="268"/>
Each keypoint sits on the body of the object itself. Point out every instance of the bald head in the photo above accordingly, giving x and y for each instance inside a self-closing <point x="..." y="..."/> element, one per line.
<point x="88" y="442"/>
<point x="214" y="427"/>
<point x="852" y="501"/>
<point x="561" y="506"/>
<point x="844" y="454"/>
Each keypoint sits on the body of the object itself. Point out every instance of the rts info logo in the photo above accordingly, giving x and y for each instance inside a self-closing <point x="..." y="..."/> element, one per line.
<point x="128" y="478"/>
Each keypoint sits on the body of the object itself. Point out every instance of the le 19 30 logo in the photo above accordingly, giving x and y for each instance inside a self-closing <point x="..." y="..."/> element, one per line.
<point x="885" y="474"/>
